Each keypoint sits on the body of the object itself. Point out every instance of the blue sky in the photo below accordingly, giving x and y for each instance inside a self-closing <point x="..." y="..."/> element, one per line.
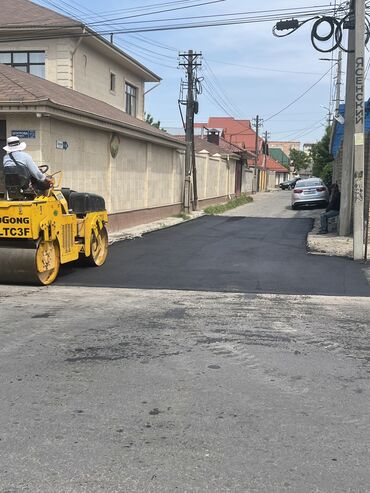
<point x="255" y="72"/>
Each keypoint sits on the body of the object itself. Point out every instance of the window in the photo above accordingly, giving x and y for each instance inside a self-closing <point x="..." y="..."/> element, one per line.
<point x="32" y="62"/>
<point x="112" y="82"/>
<point x="130" y="93"/>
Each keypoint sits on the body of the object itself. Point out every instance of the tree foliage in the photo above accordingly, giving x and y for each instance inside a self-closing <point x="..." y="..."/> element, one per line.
<point x="321" y="156"/>
<point x="299" y="159"/>
<point x="149" y="119"/>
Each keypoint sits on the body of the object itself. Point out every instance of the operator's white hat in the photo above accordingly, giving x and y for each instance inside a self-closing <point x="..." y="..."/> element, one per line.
<point x="14" y="144"/>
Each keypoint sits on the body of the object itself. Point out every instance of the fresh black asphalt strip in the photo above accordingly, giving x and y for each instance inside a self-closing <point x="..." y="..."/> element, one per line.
<point x="225" y="254"/>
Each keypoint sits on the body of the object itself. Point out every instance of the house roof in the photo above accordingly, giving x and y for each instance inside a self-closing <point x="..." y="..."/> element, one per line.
<point x="24" y="15"/>
<point x="279" y="155"/>
<point x="201" y="144"/>
<point x="20" y="89"/>
<point x="239" y="132"/>
<point x="271" y="164"/>
<point x="223" y="147"/>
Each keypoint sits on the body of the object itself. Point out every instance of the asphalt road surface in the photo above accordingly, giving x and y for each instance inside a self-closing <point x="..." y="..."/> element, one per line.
<point x="227" y="253"/>
<point x="122" y="389"/>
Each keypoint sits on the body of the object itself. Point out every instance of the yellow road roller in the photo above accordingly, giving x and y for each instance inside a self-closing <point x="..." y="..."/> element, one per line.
<point x="40" y="232"/>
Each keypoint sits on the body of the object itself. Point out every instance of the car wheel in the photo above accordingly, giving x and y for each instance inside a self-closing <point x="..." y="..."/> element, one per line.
<point x="294" y="207"/>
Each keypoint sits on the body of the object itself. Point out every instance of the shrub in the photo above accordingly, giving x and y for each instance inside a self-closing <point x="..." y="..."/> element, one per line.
<point x="231" y="204"/>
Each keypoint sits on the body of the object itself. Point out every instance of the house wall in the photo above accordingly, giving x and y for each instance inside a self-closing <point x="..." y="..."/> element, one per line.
<point x="215" y="176"/>
<point x="58" y="57"/>
<point x="92" y="77"/>
<point x="247" y="180"/>
<point x="272" y="180"/>
<point x="285" y="146"/>
<point x="144" y="182"/>
<point x="80" y="67"/>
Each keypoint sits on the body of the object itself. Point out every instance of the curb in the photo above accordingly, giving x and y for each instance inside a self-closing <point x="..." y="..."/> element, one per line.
<point x="140" y="230"/>
<point x="330" y="244"/>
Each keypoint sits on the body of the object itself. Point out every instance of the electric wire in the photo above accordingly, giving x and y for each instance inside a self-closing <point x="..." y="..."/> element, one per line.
<point x="264" y="69"/>
<point x="299" y="97"/>
<point x="219" y="89"/>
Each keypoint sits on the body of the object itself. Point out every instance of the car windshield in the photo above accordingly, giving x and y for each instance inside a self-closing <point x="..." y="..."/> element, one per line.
<point x="308" y="183"/>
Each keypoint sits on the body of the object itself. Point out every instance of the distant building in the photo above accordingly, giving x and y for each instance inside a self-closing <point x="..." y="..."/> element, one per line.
<point x="307" y="148"/>
<point x="285" y="146"/>
<point x="237" y="132"/>
<point x="280" y="156"/>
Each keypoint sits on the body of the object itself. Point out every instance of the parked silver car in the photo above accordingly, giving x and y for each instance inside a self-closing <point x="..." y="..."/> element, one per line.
<point x="311" y="191"/>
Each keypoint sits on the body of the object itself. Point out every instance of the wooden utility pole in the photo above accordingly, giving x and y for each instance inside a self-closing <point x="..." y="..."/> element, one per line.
<point x="359" y="137"/>
<point x="190" y="63"/>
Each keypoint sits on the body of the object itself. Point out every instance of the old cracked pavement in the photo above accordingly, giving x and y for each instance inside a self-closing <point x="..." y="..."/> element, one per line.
<point x="215" y="356"/>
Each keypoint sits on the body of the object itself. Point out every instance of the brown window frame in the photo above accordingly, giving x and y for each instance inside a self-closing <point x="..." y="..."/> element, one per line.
<point x="131" y="99"/>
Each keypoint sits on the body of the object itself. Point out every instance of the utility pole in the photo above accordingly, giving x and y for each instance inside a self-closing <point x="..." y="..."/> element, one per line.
<point x="345" y="215"/>
<point x="338" y="83"/>
<point x="337" y="100"/>
<point x="265" y="160"/>
<point x="190" y="62"/>
<point x="257" y="123"/>
<point x="359" y="144"/>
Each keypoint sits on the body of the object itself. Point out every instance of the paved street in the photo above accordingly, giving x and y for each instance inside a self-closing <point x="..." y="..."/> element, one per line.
<point x="232" y="362"/>
<point x="257" y="248"/>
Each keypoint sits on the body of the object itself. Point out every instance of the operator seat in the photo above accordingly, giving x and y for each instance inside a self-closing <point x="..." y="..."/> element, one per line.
<point x="17" y="182"/>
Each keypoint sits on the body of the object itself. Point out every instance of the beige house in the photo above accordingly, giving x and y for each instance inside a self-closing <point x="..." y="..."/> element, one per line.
<point x="42" y="42"/>
<point x="78" y="102"/>
<point x="136" y="167"/>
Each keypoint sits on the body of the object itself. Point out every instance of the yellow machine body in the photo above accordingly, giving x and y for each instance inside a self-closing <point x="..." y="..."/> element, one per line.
<point x="38" y="235"/>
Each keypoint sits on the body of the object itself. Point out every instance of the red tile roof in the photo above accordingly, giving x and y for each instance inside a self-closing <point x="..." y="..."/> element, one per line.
<point x="271" y="164"/>
<point x="239" y="132"/>
<point x="20" y="88"/>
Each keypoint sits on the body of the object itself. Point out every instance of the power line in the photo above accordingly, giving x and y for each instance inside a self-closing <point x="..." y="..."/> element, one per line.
<point x="262" y="68"/>
<point x="299" y="97"/>
<point x="218" y="89"/>
<point x="247" y="20"/>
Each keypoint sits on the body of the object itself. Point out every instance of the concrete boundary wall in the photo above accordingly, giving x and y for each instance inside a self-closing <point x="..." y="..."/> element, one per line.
<point x="141" y="181"/>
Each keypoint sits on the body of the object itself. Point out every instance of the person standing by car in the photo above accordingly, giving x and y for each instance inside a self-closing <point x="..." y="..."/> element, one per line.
<point x="332" y="209"/>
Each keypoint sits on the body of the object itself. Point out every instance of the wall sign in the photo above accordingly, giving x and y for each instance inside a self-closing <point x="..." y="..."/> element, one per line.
<point x="62" y="144"/>
<point x="24" y="134"/>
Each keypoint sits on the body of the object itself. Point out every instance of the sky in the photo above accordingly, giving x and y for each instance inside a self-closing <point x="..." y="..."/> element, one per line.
<point x="246" y="70"/>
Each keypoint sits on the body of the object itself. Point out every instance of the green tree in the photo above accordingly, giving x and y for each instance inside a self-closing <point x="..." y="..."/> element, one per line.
<point x="321" y="156"/>
<point x="149" y="119"/>
<point x="299" y="159"/>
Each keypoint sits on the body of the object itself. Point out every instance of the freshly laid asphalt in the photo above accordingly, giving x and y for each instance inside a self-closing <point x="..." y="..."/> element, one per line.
<point x="225" y="254"/>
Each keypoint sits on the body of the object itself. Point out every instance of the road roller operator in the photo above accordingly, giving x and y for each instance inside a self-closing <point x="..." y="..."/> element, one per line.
<point x="15" y="157"/>
<point x="43" y="225"/>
